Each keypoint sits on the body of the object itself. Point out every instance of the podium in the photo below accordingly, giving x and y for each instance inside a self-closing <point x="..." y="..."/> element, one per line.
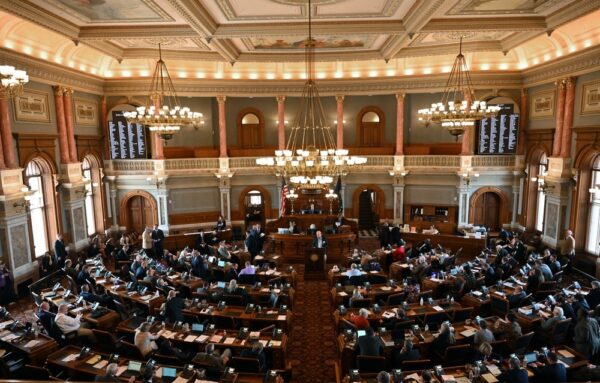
<point x="314" y="264"/>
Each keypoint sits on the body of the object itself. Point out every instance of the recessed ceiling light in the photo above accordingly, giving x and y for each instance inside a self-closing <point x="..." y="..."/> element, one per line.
<point x="287" y="76"/>
<point x="126" y="73"/>
<point x="235" y="76"/>
<point x="144" y="73"/>
<point x="427" y="70"/>
<point x="253" y="76"/>
<point x="446" y="69"/>
<point x="390" y="72"/>
<point x="484" y="66"/>
<point x="43" y="55"/>
<point x="218" y="74"/>
<point x="373" y="73"/>
<point x="9" y="44"/>
<point x="587" y="43"/>
<point x="547" y="57"/>
<point x="572" y="48"/>
<point x="321" y="75"/>
<point x="503" y="66"/>
<point x="356" y="74"/>
<point x="409" y="72"/>
<point x="200" y="75"/>
<point x="27" y="50"/>
<point x="270" y="76"/>
<point x="338" y="74"/>
<point x="182" y="74"/>
<point x="108" y="73"/>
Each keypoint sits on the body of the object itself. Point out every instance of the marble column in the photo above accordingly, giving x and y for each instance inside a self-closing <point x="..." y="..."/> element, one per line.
<point x="157" y="142"/>
<point x="467" y="137"/>
<point x="225" y="197"/>
<point x="400" y="124"/>
<point x="63" y="141"/>
<point x="104" y="126"/>
<point x="560" y="117"/>
<point x="524" y="111"/>
<point x="280" y="122"/>
<point x="565" y="145"/>
<point x="68" y="110"/>
<point x="516" y="191"/>
<point x="222" y="127"/>
<point x="2" y="161"/>
<point x="463" y="204"/>
<point x="340" y="121"/>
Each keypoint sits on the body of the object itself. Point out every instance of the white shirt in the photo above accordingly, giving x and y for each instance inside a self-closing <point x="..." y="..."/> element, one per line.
<point x="67" y="324"/>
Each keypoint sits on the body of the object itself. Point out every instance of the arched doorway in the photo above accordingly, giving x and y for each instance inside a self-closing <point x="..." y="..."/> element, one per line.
<point x="370" y="122"/>
<point x="368" y="204"/>
<point x="489" y="208"/>
<point x="250" y="128"/>
<point x="138" y="210"/>
<point x="255" y="205"/>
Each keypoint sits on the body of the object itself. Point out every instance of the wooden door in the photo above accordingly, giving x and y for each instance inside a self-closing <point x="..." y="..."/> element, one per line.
<point x="140" y="214"/>
<point x="487" y="211"/>
<point x="251" y="136"/>
<point x="371" y="136"/>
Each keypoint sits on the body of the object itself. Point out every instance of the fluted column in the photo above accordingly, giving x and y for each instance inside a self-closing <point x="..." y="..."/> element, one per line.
<point x="280" y="122"/>
<point x="68" y="110"/>
<point x="524" y="111"/>
<point x="565" y="145"/>
<point x="560" y="117"/>
<point x="340" y="121"/>
<point x="157" y="141"/>
<point x="400" y="123"/>
<point x="222" y="127"/>
<point x="467" y="137"/>
<point x="10" y="161"/>
<point x="63" y="140"/>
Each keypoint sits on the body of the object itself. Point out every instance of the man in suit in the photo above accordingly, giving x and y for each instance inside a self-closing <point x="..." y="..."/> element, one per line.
<point x="158" y="236"/>
<point x="370" y="344"/>
<point x="515" y="298"/>
<point x="319" y="242"/>
<point x="84" y="276"/>
<point x="231" y="272"/>
<point x="174" y="308"/>
<point x="257" y="351"/>
<point x="407" y="353"/>
<point x="593" y="298"/>
<point x="212" y="358"/>
<point x="123" y="254"/>
<point x="557" y="316"/>
<point x="514" y="374"/>
<point x="252" y="243"/>
<point x="87" y="295"/>
<point x="552" y="371"/>
<point x="69" y="270"/>
<point x="46" y="317"/>
<point x="60" y="251"/>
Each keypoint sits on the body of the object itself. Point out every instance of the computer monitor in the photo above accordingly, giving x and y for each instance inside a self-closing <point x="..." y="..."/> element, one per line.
<point x="211" y="259"/>
<point x="360" y="333"/>
<point x="168" y="372"/>
<point x="197" y="327"/>
<point x="221" y="264"/>
<point x="221" y="284"/>
<point x="134" y="366"/>
<point x="530" y="358"/>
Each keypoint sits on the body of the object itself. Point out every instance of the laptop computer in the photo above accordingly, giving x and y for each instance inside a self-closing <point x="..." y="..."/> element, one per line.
<point x="168" y="372"/>
<point x="360" y="333"/>
<point x="197" y="327"/>
<point x="221" y="264"/>
<point x="134" y="366"/>
<point x="530" y="358"/>
<point x="221" y="285"/>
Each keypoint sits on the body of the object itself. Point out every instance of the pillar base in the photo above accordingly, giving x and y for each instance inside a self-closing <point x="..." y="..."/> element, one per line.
<point x="70" y="174"/>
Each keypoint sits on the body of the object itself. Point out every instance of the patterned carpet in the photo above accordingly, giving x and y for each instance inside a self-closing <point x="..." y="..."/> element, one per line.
<point x="312" y="350"/>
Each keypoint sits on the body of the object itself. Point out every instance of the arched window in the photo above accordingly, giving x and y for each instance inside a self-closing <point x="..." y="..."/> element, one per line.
<point x="255" y="198"/>
<point x="250" y="129"/>
<point x="541" y="194"/>
<point x="371" y="123"/>
<point x="593" y="236"/>
<point x="86" y="169"/>
<point x="33" y="178"/>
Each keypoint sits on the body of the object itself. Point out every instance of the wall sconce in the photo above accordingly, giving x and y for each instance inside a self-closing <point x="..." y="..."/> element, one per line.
<point x="468" y="176"/>
<point x="541" y="182"/>
<point x="398" y="172"/>
<point x="285" y="122"/>
<point x="331" y="196"/>
<point x="292" y="196"/>
<point x="156" y="180"/>
<point x="197" y="127"/>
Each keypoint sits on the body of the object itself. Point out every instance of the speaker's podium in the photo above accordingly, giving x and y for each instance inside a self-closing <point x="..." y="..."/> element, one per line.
<point x="314" y="263"/>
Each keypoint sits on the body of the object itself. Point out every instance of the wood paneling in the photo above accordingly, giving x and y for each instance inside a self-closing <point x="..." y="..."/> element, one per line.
<point x="33" y="145"/>
<point x="384" y="150"/>
<point x="89" y="145"/>
<point x="432" y="149"/>
<point x="193" y="218"/>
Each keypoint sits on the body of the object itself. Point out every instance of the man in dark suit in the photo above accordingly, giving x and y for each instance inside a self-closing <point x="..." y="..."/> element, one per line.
<point x="158" y="237"/>
<point x="199" y="266"/>
<point x="84" y="276"/>
<point x="174" y="308"/>
<point x="201" y="238"/>
<point x="407" y="353"/>
<point x="257" y="351"/>
<point x="60" y="251"/>
<point x="212" y="358"/>
<point x="514" y="374"/>
<point x="87" y="295"/>
<point x="319" y="241"/>
<point x="515" y="298"/>
<point x="552" y="371"/>
<point x="370" y="344"/>
<point x="252" y="243"/>
<point x="593" y="298"/>
<point x="123" y="254"/>
<point x="46" y="317"/>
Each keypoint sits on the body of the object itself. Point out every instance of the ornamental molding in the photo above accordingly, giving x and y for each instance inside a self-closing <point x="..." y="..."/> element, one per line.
<point x="40" y="16"/>
<point x="575" y="64"/>
<point x="44" y="72"/>
<point x="534" y="23"/>
<point x="445" y="49"/>
<point x="130" y="32"/>
<point x="572" y="11"/>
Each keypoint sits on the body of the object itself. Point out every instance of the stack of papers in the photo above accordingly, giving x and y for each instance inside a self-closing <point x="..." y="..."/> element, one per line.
<point x="525" y="311"/>
<point x="6" y="323"/>
<point x="275" y="343"/>
<point x="566" y="353"/>
<point x="32" y="343"/>
<point x="493" y="369"/>
<point x="190" y="338"/>
<point x="281" y="317"/>
<point x="70" y="358"/>
<point x="388" y="314"/>
<point x="202" y="338"/>
<point x="448" y="378"/>
<point x="467" y="333"/>
<point x="229" y="340"/>
<point x="101" y="364"/>
<point x="254" y="334"/>
<point x="489" y="378"/>
<point x="9" y="337"/>
<point x="386" y="288"/>
<point x="216" y="338"/>
<point x="264" y="342"/>
<point x="343" y="294"/>
<point x="438" y="308"/>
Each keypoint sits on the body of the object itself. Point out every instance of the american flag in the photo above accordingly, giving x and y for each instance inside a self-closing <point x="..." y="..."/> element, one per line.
<point x="284" y="192"/>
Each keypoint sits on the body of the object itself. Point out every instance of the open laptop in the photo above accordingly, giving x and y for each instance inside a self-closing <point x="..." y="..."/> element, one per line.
<point x="134" y="366"/>
<point x="360" y="333"/>
<point x="221" y="285"/>
<point x="197" y="328"/>
<point x="530" y="358"/>
<point x="168" y="372"/>
<point x="221" y="264"/>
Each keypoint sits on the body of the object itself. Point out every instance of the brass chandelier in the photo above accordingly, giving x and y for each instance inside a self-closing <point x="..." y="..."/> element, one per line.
<point x="12" y="81"/>
<point x="455" y="112"/>
<point x="163" y="113"/>
<point x="311" y="158"/>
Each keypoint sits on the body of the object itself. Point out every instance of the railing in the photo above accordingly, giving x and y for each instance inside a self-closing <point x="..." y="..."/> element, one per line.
<point x="192" y="163"/>
<point x="493" y="161"/>
<point x="432" y="161"/>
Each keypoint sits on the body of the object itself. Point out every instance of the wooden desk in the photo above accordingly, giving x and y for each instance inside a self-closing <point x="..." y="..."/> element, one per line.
<point x="177" y="242"/>
<point x="292" y="247"/>
<point x="253" y="321"/>
<point x="36" y="353"/>
<point x="258" y="296"/>
<point x="471" y="247"/>
<point x="151" y="302"/>
<point x="377" y="292"/>
<point x="275" y="349"/>
<point x="335" y="277"/>
<point x="303" y="222"/>
<point x="104" y="322"/>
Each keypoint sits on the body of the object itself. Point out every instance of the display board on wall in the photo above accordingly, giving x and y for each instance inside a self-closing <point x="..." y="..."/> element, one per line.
<point x="499" y="135"/>
<point x="127" y="141"/>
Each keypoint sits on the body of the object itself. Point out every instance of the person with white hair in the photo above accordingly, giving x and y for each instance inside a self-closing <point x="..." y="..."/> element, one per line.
<point x="111" y="374"/>
<point x="557" y="316"/>
<point x="361" y="321"/>
<point x="68" y="324"/>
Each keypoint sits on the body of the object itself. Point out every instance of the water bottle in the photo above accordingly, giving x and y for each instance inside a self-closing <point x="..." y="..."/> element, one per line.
<point x="421" y="301"/>
<point x="452" y="300"/>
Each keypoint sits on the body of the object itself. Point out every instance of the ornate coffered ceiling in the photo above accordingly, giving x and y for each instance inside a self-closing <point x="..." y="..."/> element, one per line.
<point x="264" y="39"/>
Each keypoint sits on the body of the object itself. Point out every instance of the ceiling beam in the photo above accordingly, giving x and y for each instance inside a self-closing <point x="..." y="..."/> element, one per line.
<point x="446" y="49"/>
<point x="517" y="39"/>
<point x="486" y="24"/>
<point x="135" y="32"/>
<point x="570" y="12"/>
<point x="40" y="16"/>
<point x="151" y="53"/>
<point x="388" y="27"/>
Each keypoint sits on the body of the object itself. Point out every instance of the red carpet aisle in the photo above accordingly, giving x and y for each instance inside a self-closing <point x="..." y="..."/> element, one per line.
<point x="313" y="347"/>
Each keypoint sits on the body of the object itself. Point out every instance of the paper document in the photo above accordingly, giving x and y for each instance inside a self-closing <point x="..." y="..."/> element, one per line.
<point x="32" y="343"/>
<point x="101" y="364"/>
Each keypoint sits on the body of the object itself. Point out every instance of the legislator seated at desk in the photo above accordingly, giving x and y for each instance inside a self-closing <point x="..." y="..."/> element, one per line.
<point x="312" y="210"/>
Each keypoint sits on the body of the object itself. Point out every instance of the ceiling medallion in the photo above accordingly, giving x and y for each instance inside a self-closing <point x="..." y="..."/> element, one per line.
<point x="304" y="2"/>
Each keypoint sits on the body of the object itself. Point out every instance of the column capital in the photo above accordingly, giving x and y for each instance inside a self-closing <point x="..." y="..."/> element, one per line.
<point x="570" y="81"/>
<point x="560" y="83"/>
<point x="524" y="91"/>
<point x="58" y="90"/>
<point x="280" y="99"/>
<point x="400" y="96"/>
<point x="221" y="99"/>
<point x="339" y="98"/>
<point x="67" y="90"/>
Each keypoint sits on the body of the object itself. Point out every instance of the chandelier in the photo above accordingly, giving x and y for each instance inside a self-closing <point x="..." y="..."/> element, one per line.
<point x="12" y="81"/>
<point x="454" y="111"/>
<point x="311" y="159"/>
<point x="163" y="114"/>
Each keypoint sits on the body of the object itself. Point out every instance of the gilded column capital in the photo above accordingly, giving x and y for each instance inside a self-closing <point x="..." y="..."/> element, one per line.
<point x="221" y="99"/>
<point x="339" y="98"/>
<point x="400" y="96"/>
<point x="570" y="81"/>
<point x="67" y="90"/>
<point x="58" y="90"/>
<point x="524" y="91"/>
<point x="560" y="83"/>
<point x="280" y="99"/>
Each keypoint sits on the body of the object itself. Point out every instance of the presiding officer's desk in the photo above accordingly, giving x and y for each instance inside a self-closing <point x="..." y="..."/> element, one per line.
<point x="292" y="247"/>
<point x="471" y="247"/>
